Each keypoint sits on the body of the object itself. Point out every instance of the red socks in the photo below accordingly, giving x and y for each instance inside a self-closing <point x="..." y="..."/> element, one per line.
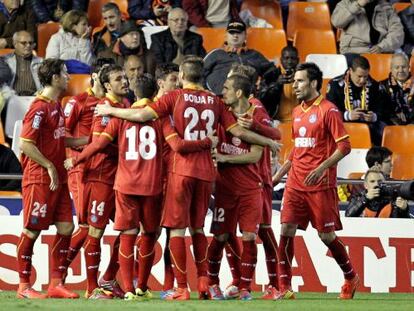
<point x="168" y="270"/>
<point x="59" y="254"/>
<point x="248" y="264"/>
<point x="341" y="257"/>
<point x="113" y="265"/>
<point x="233" y="253"/>
<point x="200" y="246"/>
<point x="78" y="238"/>
<point x="126" y="261"/>
<point x="215" y="254"/>
<point x="285" y="256"/>
<point x="270" y="247"/>
<point x="136" y="260"/>
<point x="92" y="259"/>
<point x="24" y="257"/>
<point x="178" y="258"/>
<point x="146" y="258"/>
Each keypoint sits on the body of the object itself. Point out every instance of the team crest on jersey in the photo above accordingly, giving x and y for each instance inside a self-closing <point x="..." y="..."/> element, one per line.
<point x="68" y="109"/>
<point x="302" y="131"/>
<point x="36" y="121"/>
<point x="105" y="120"/>
<point x="236" y="141"/>
<point x="94" y="219"/>
<point x="312" y="118"/>
<point x="34" y="220"/>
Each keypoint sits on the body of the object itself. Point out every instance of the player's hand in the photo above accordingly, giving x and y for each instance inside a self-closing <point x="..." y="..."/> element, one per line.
<point x="373" y="193"/>
<point x="54" y="179"/>
<point x="218" y="157"/>
<point x="245" y="121"/>
<point x="213" y="138"/>
<point x="103" y="109"/>
<point x="375" y="50"/>
<point x="87" y="33"/>
<point x="356" y="114"/>
<point x="314" y="176"/>
<point x="369" y="116"/>
<point x="401" y="203"/>
<point x="68" y="164"/>
<point x="363" y="3"/>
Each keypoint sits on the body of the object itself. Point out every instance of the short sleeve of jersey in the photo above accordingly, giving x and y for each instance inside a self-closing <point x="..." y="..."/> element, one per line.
<point x="111" y="130"/>
<point x="98" y="126"/>
<point x="335" y="124"/>
<point x="33" y="121"/>
<point x="227" y="118"/>
<point x="164" y="106"/>
<point x="72" y="112"/>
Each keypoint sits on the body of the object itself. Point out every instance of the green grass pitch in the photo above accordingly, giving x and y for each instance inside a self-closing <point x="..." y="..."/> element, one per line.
<point x="304" y="301"/>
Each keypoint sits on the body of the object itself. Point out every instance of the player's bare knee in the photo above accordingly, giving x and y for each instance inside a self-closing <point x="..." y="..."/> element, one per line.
<point x="96" y="232"/>
<point x="327" y="237"/>
<point x="131" y="231"/>
<point x="264" y="226"/>
<point x="32" y="234"/>
<point x="84" y="225"/>
<point x="288" y="230"/>
<point x="222" y="237"/>
<point x="65" y="228"/>
<point x="249" y="236"/>
<point x="196" y="230"/>
<point x="177" y="233"/>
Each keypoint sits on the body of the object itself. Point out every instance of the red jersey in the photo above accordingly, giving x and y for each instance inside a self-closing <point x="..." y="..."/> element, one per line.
<point x="315" y="131"/>
<point x="196" y="113"/>
<point x="78" y="119"/>
<point x="238" y="178"/>
<point x="102" y="166"/>
<point x="139" y="154"/>
<point x="44" y="125"/>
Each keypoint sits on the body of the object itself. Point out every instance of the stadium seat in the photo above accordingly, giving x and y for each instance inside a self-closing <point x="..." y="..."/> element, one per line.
<point x="332" y="65"/>
<point x="267" y="10"/>
<point x="260" y="39"/>
<point x="286" y="140"/>
<point x="325" y="42"/>
<point x="6" y="51"/>
<point x="2" y="136"/>
<point x="308" y="15"/>
<point x="213" y="38"/>
<point x="10" y="194"/>
<point x="380" y="65"/>
<point x="402" y="166"/>
<point x="358" y="135"/>
<point x="44" y="32"/>
<point x="355" y="175"/>
<point x="399" y="138"/>
<point x="78" y="83"/>
<point x="399" y="6"/>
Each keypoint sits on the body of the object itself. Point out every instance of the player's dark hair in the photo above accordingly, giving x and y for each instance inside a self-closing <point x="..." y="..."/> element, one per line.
<point x="48" y="68"/>
<point x="192" y="67"/>
<point x="98" y="64"/>
<point x="241" y="82"/>
<point x="163" y="70"/>
<point x="244" y="70"/>
<point x="360" y="62"/>
<point x="106" y="72"/>
<point x="313" y="72"/>
<point x="111" y="6"/>
<point x="145" y="86"/>
<point x="377" y="155"/>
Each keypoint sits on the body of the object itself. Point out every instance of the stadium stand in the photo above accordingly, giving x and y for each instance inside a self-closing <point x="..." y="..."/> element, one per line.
<point x="269" y="11"/>
<point x="402" y="166"/>
<point x="259" y="39"/>
<point x="307" y="15"/>
<point x="332" y="65"/>
<point x="380" y="65"/>
<point x="399" y="138"/>
<point x="399" y="6"/>
<point x="78" y="83"/>
<point x="6" y="51"/>
<point x="213" y="38"/>
<point x="44" y="32"/>
<point x="95" y="8"/>
<point x="325" y="42"/>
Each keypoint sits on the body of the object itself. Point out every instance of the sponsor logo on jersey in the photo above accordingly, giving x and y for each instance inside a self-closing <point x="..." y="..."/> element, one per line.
<point x="305" y="142"/>
<point x="54" y="112"/>
<point x="302" y="131"/>
<point x="231" y="149"/>
<point x="312" y="118"/>
<point x="68" y="109"/>
<point x="59" y="132"/>
<point x="36" y="121"/>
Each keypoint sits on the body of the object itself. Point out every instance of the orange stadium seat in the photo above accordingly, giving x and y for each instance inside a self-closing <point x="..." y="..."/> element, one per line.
<point x="402" y="166"/>
<point x="399" y="138"/>
<point x="286" y="140"/>
<point x="6" y="51"/>
<point x="78" y="83"/>
<point x="269" y="11"/>
<point x="307" y="15"/>
<point x="64" y="100"/>
<point x="44" y="32"/>
<point x="325" y="38"/>
<point x="399" y="6"/>
<point x="213" y="38"/>
<point x="260" y="39"/>
<point x="358" y="135"/>
<point x="10" y="194"/>
<point x="355" y="175"/>
<point x="2" y="136"/>
<point x="380" y="65"/>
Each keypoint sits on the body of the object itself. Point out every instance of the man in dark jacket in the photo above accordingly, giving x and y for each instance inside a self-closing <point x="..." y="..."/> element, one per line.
<point x="407" y="20"/>
<point x="172" y="44"/>
<point x="14" y="17"/>
<point x="9" y="164"/>
<point x="218" y="62"/>
<point x="52" y="10"/>
<point x="155" y="12"/>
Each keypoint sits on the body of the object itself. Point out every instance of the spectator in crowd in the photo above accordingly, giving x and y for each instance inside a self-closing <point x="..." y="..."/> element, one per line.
<point x="398" y="90"/>
<point x="72" y="40"/>
<point x="24" y="65"/>
<point x="371" y="202"/>
<point x="358" y="97"/>
<point x="218" y="62"/>
<point x="367" y="26"/>
<point x="212" y="13"/>
<point x="5" y="92"/>
<point x="51" y="10"/>
<point x="407" y="20"/>
<point x="285" y="99"/>
<point x="134" y="68"/>
<point x="170" y="45"/>
<point x="105" y="38"/>
<point x="9" y="164"/>
<point x="131" y="41"/>
<point x="14" y="17"/>
<point x="151" y="12"/>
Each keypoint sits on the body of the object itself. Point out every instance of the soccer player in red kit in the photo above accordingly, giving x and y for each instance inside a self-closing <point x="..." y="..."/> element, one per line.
<point x="320" y="141"/>
<point x="196" y="113"/>
<point x="46" y="198"/>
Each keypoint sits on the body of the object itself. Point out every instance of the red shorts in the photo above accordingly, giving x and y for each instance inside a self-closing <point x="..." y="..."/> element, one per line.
<point x="267" y="205"/>
<point x="230" y="209"/>
<point x="133" y="210"/>
<point x="100" y="203"/>
<point x="77" y="189"/>
<point x="318" y="207"/>
<point x="42" y="207"/>
<point x="186" y="202"/>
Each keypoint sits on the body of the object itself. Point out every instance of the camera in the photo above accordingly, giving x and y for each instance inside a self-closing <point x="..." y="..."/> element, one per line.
<point x="392" y="191"/>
